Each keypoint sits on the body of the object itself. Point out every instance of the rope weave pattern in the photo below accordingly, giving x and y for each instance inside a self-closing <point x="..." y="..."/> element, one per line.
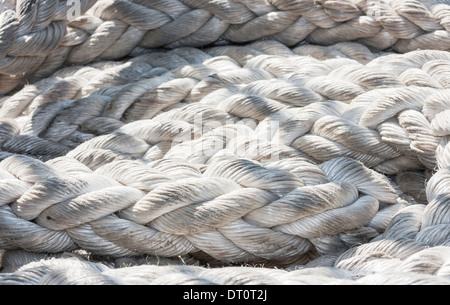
<point x="115" y="167"/>
<point x="37" y="38"/>
<point x="387" y="265"/>
<point x="32" y="35"/>
<point x="132" y="148"/>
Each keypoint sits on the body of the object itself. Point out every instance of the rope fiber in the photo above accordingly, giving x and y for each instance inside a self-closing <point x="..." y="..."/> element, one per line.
<point x="157" y="138"/>
<point x="38" y="37"/>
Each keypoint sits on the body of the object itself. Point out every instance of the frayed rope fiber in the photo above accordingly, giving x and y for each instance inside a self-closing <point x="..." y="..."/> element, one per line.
<point x="424" y="267"/>
<point x="329" y="160"/>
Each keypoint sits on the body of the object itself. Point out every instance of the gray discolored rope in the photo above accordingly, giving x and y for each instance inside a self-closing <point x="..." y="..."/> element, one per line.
<point x="37" y="38"/>
<point x="392" y="120"/>
<point x="124" y="162"/>
<point x="173" y="152"/>
<point x="31" y="32"/>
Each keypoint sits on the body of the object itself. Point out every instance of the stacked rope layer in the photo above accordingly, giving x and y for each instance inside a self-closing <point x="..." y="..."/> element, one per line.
<point x="386" y="267"/>
<point x="37" y="37"/>
<point x="173" y="153"/>
<point x="32" y="34"/>
<point x="388" y="112"/>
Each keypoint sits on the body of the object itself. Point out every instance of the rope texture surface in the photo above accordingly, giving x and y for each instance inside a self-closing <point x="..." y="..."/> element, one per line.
<point x="386" y="265"/>
<point x="122" y="166"/>
<point x="330" y="160"/>
<point x="38" y="37"/>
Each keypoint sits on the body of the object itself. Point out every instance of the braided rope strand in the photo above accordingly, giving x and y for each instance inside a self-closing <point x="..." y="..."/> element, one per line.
<point x="38" y="37"/>
<point x="106" y="185"/>
<point x="211" y="133"/>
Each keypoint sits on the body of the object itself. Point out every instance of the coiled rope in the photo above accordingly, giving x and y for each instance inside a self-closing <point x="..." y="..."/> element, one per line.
<point x="332" y="162"/>
<point x="385" y="267"/>
<point x="38" y="37"/>
<point x="146" y="187"/>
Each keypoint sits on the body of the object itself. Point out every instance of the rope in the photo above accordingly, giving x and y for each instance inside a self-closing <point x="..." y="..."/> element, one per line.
<point x="32" y="34"/>
<point x="132" y="148"/>
<point x="387" y="266"/>
<point x="122" y="167"/>
<point x="391" y="119"/>
<point x="38" y="37"/>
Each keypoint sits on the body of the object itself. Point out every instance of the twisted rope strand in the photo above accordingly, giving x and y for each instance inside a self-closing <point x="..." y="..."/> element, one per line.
<point x="275" y="154"/>
<point x="43" y="38"/>
<point x="416" y="270"/>
<point x="220" y="215"/>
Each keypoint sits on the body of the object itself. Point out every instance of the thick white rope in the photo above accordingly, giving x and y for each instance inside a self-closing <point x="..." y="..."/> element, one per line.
<point x="111" y="157"/>
<point x="38" y="37"/>
<point x="404" y="121"/>
<point x="30" y="32"/>
<point x="109" y="185"/>
<point x="384" y="266"/>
